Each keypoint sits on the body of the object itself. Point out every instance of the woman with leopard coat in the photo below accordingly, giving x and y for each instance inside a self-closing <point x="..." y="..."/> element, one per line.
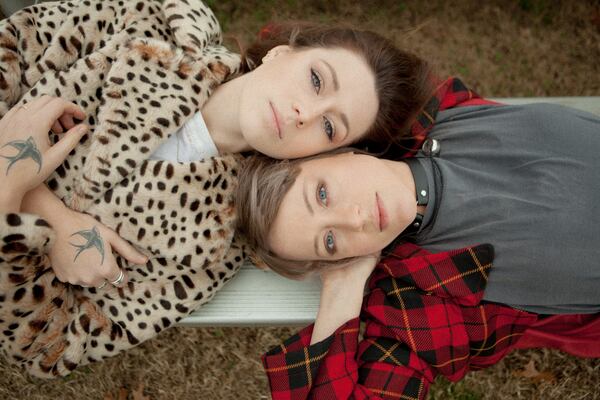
<point x="166" y="104"/>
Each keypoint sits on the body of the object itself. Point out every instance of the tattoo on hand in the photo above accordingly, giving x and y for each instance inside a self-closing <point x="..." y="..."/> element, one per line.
<point x="27" y="149"/>
<point x="94" y="240"/>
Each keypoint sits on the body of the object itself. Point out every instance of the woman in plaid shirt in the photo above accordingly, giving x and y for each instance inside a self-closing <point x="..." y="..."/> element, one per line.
<point x="431" y="314"/>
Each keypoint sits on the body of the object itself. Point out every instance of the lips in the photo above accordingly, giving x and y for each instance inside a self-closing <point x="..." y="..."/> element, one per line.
<point x="276" y="119"/>
<point x="381" y="213"/>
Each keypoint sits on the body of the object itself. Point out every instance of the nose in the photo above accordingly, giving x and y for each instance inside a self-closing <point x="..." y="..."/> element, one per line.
<point x="353" y="217"/>
<point x="305" y="113"/>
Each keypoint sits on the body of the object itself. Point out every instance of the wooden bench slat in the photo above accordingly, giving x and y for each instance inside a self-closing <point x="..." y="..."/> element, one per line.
<point x="255" y="297"/>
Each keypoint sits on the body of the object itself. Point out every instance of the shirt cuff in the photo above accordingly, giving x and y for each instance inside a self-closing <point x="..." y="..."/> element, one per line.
<point x="294" y="365"/>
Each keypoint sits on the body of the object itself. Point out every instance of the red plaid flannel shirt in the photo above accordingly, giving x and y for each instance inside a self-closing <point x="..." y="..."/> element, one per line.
<point x="423" y="317"/>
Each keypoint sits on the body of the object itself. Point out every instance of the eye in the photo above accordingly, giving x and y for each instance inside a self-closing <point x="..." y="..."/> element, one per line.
<point x="322" y="194"/>
<point x="329" y="129"/>
<point x="315" y="80"/>
<point x="330" y="242"/>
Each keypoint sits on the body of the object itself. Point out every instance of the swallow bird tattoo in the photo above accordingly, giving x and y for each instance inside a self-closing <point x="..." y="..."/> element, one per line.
<point x="93" y="241"/>
<point x="27" y="149"/>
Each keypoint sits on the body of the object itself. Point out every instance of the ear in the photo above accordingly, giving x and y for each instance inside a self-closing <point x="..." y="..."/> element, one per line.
<point x="276" y="51"/>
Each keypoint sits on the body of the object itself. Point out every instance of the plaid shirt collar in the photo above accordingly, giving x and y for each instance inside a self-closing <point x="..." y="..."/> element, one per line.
<point x="448" y="94"/>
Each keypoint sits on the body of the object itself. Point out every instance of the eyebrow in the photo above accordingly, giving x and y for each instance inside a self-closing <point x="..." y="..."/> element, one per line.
<point x="310" y="209"/>
<point x="336" y="86"/>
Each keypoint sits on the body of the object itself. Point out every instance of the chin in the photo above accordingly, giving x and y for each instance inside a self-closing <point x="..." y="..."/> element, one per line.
<point x="273" y="153"/>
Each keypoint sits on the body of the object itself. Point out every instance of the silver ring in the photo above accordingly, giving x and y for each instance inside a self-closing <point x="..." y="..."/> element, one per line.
<point x="119" y="279"/>
<point x="101" y="286"/>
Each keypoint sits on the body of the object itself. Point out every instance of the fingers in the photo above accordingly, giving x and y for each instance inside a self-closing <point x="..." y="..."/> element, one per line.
<point x="57" y="107"/>
<point x="113" y="274"/>
<point x="66" y="120"/>
<point x="97" y="276"/>
<point x="56" y="127"/>
<point x="38" y="103"/>
<point x="108" y="274"/>
<point x="117" y="277"/>
<point x="56" y="154"/>
<point x="54" y="110"/>
<point x="126" y="250"/>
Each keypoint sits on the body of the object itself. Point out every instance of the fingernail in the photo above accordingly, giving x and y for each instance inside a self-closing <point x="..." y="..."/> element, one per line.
<point x="82" y="129"/>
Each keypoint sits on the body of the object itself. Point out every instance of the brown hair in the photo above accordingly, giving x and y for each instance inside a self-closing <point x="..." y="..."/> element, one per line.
<point x="263" y="183"/>
<point x="403" y="80"/>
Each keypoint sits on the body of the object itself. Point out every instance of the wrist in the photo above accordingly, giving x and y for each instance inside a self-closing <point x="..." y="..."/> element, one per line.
<point x="10" y="201"/>
<point x="342" y="285"/>
<point x="346" y="300"/>
<point x="43" y="202"/>
<point x="342" y="297"/>
<point x="335" y="309"/>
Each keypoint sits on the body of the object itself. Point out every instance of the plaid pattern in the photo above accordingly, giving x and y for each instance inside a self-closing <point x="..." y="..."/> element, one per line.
<point x="424" y="317"/>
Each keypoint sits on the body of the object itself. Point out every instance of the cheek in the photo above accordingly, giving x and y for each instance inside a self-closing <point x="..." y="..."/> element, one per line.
<point x="302" y="145"/>
<point x="374" y="243"/>
<point x="246" y="114"/>
<point x="365" y="244"/>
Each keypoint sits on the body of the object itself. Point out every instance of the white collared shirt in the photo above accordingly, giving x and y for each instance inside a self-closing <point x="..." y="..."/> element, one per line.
<point x="192" y="142"/>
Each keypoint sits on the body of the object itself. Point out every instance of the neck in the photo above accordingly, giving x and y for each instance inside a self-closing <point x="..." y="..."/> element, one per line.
<point x="221" y="114"/>
<point x="407" y="181"/>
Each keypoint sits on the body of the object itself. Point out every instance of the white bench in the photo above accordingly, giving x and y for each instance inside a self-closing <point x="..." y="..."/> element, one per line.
<point x="261" y="298"/>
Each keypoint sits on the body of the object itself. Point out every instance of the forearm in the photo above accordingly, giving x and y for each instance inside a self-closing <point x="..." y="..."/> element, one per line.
<point x="338" y="304"/>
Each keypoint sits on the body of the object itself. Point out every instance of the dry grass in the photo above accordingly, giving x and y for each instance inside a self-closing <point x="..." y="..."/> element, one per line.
<point x="183" y="363"/>
<point x="500" y="48"/>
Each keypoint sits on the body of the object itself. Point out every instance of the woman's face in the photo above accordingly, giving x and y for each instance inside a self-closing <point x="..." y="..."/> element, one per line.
<point x="299" y="103"/>
<point x="342" y="206"/>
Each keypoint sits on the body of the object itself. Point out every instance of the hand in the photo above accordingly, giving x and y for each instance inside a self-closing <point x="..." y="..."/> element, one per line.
<point x="354" y="274"/>
<point x="82" y="253"/>
<point x="342" y="295"/>
<point x="26" y="157"/>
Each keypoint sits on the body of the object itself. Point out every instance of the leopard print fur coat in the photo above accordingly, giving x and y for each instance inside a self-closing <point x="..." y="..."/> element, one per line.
<point x="139" y="69"/>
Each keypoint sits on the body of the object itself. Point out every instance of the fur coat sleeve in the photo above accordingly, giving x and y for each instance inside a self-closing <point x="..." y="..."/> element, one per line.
<point x="139" y="70"/>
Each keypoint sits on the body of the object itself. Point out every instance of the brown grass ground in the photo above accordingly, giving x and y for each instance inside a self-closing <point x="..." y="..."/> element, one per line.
<point x="499" y="48"/>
